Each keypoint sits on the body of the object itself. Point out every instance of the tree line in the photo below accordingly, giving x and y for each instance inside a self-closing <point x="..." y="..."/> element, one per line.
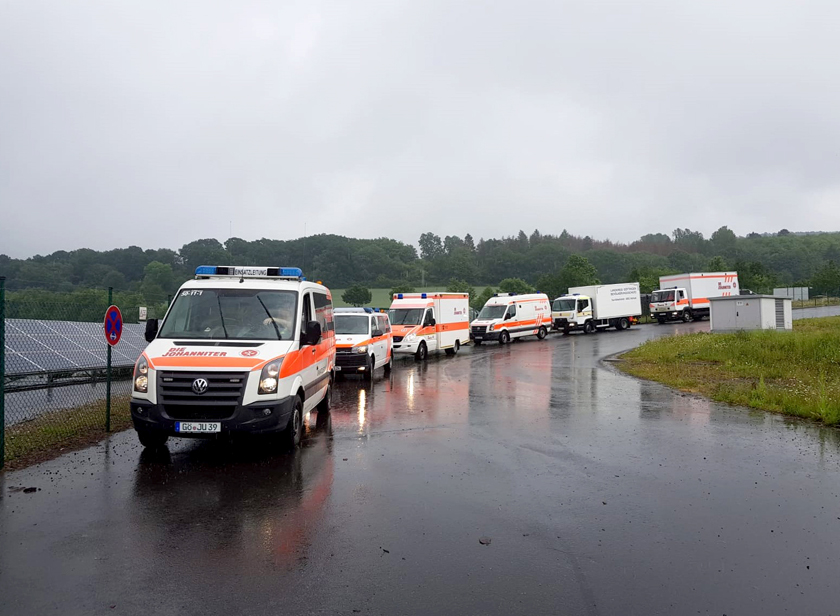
<point x="549" y="263"/>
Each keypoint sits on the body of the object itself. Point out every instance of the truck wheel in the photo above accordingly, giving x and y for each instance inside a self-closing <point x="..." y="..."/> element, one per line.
<point x="325" y="404"/>
<point x="623" y="323"/>
<point x="390" y="365"/>
<point x="422" y="352"/>
<point x="504" y="337"/>
<point x="542" y="333"/>
<point x="152" y="440"/>
<point x="566" y="330"/>
<point x="588" y="328"/>
<point x="290" y="437"/>
<point x="686" y="316"/>
<point x="453" y="350"/>
<point x="371" y="362"/>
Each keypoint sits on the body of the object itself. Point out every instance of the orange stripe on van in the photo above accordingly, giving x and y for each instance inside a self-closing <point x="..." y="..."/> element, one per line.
<point x="206" y="362"/>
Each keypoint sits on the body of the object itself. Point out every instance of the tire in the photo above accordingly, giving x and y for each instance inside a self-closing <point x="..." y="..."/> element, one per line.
<point x="566" y="330"/>
<point x="660" y="321"/>
<point x="325" y="405"/>
<point x="686" y="316"/>
<point x="588" y="328"/>
<point x="477" y="342"/>
<point x="390" y="365"/>
<point x="152" y="440"/>
<point x="369" y="368"/>
<point x="290" y="437"/>
<point x="623" y="323"/>
<point x="504" y="337"/>
<point x="454" y="349"/>
<point x="542" y="333"/>
<point x="422" y="352"/>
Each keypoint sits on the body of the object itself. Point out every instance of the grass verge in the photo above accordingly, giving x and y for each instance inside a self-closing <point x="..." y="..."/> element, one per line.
<point x="794" y="373"/>
<point x="53" y="434"/>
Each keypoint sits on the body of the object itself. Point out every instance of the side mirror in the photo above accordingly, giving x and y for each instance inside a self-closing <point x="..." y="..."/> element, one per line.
<point x="312" y="335"/>
<point x="151" y="329"/>
<point x="377" y="333"/>
<point x="508" y="316"/>
<point x="433" y="323"/>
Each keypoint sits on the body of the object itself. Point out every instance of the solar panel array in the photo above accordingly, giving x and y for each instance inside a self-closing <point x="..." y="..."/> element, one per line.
<point x="40" y="346"/>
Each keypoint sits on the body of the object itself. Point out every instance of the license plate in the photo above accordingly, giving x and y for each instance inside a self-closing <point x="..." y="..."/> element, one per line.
<point x="195" y="427"/>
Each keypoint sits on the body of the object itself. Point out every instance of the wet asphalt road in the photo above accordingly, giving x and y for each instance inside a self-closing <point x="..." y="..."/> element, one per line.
<point x="600" y="494"/>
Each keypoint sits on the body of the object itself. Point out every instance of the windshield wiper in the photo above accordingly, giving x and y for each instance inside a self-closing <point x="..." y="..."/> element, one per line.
<point x="270" y="318"/>
<point x="221" y="316"/>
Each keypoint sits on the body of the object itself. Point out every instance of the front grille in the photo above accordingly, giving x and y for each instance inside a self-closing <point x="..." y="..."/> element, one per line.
<point x="186" y="412"/>
<point x="356" y="360"/>
<point x="398" y="338"/>
<point x="479" y="329"/>
<point x="224" y="389"/>
<point x="342" y="351"/>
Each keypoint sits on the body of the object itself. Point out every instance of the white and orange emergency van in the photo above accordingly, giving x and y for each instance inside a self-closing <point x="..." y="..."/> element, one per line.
<point x="507" y="316"/>
<point x="241" y="349"/>
<point x="423" y="323"/>
<point x="363" y="342"/>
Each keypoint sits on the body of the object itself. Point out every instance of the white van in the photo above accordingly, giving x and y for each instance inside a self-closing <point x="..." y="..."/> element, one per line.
<point x="363" y="342"/>
<point x="241" y="349"/>
<point x="506" y="316"/>
<point x="427" y="322"/>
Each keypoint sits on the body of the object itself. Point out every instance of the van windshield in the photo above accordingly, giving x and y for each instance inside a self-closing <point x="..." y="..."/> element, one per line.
<point x="662" y="296"/>
<point x="350" y="325"/>
<point x="563" y="305"/>
<point x="231" y="314"/>
<point x="406" y="316"/>
<point x="495" y="311"/>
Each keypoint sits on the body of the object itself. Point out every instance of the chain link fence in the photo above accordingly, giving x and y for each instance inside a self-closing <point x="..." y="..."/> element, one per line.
<point x="57" y="391"/>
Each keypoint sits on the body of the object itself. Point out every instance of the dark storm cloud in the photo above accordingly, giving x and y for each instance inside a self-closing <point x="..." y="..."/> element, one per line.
<point x="158" y="123"/>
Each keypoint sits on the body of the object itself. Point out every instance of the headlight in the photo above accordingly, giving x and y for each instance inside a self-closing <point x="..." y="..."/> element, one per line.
<point x="409" y="338"/>
<point x="141" y="380"/>
<point x="268" y="377"/>
<point x="360" y="349"/>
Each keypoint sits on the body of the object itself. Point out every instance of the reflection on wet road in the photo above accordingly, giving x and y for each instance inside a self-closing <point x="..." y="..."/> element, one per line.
<point x="600" y="494"/>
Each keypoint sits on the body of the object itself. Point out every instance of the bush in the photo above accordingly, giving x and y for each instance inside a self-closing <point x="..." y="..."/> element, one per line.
<point x="357" y="295"/>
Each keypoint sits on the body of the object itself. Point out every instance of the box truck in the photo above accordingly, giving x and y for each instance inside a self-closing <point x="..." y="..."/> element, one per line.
<point x="597" y="307"/>
<point x="686" y="296"/>
<point x="506" y="316"/>
<point x="423" y="323"/>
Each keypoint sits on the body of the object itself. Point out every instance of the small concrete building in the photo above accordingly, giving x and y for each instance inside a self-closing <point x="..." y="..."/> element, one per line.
<point x="736" y="312"/>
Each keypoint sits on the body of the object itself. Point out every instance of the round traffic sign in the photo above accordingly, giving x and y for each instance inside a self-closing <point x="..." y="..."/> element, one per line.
<point x="113" y="325"/>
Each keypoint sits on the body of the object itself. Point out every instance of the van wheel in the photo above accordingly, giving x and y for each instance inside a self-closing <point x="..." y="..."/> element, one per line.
<point x="325" y="404"/>
<point x="477" y="342"/>
<point x="422" y="352"/>
<point x="504" y="337"/>
<point x="454" y="349"/>
<point x="542" y="333"/>
<point x="290" y="437"/>
<point x="686" y="316"/>
<point x="371" y="362"/>
<point x="152" y="440"/>
<point x="389" y="366"/>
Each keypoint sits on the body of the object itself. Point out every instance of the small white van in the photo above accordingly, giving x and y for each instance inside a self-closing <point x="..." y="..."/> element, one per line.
<point x="363" y="342"/>
<point x="241" y="349"/>
<point x="507" y="316"/>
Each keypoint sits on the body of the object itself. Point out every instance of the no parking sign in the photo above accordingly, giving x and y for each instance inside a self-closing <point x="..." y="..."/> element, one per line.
<point x="113" y="325"/>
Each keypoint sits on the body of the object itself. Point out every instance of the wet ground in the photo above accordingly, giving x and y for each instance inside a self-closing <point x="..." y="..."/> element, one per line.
<point x="598" y="493"/>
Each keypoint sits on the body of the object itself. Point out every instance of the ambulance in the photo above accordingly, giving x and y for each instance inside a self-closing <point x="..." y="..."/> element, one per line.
<point x="424" y="323"/>
<point x="507" y="316"/>
<point x="363" y="342"/>
<point x="240" y="350"/>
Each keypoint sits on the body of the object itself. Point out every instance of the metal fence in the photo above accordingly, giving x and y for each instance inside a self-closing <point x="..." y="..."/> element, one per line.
<point x="57" y="389"/>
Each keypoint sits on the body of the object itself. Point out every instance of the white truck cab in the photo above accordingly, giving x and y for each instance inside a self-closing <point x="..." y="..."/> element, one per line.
<point x="425" y="323"/>
<point x="686" y="297"/>
<point x="241" y="349"/>
<point x="363" y="341"/>
<point x="596" y="307"/>
<point x="507" y="316"/>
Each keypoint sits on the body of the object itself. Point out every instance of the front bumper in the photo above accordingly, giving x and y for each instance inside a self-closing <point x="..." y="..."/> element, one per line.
<point x="486" y="335"/>
<point x="351" y="362"/>
<point x="562" y="324"/>
<point x="406" y="348"/>
<point x="257" y="418"/>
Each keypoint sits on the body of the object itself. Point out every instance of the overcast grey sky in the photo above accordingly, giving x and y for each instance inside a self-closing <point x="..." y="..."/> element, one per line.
<point x="156" y="123"/>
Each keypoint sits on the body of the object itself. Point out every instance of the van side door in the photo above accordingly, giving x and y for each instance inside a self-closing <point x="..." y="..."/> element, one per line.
<point x="429" y="329"/>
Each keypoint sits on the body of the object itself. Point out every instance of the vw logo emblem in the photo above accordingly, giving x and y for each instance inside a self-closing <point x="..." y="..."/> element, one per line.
<point x="199" y="386"/>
